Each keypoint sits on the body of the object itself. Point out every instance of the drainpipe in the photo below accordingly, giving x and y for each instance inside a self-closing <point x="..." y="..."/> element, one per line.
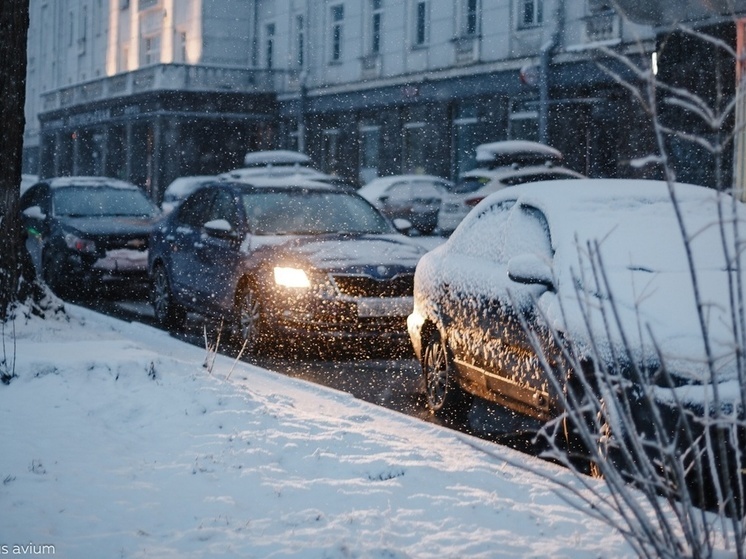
<point x="545" y="58"/>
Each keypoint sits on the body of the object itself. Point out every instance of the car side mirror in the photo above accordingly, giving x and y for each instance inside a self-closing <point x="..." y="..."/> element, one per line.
<point x="529" y="269"/>
<point x="403" y="225"/>
<point x="34" y="212"/>
<point x="220" y="228"/>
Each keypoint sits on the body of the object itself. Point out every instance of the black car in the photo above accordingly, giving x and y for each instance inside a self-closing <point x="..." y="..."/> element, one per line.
<point x="285" y="258"/>
<point x="85" y="232"/>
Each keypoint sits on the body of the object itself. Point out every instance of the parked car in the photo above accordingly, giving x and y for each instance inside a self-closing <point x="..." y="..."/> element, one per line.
<point x="180" y="188"/>
<point x="282" y="259"/>
<point x="500" y="164"/>
<point x="514" y="290"/>
<point x="85" y="232"/>
<point x="416" y="198"/>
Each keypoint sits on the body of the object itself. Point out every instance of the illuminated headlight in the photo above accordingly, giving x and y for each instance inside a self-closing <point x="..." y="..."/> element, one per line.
<point x="291" y="277"/>
<point x="80" y="245"/>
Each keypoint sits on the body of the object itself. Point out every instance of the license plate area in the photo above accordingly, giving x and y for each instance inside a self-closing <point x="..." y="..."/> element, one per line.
<point x="372" y="307"/>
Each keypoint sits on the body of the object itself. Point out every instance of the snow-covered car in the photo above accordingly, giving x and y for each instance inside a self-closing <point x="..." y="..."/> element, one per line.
<point x="416" y="198"/>
<point x="280" y="163"/>
<point x="282" y="259"/>
<point x="596" y="269"/>
<point x="180" y="188"/>
<point x="500" y="164"/>
<point x="84" y="232"/>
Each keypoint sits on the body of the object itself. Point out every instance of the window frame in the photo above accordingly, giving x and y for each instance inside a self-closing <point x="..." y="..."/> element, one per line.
<point x="375" y="27"/>
<point x="421" y="23"/>
<point x="470" y="20"/>
<point x="336" y="33"/>
<point x="537" y="11"/>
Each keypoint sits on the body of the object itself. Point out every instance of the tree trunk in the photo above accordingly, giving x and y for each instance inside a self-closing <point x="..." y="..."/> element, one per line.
<point x="14" y="21"/>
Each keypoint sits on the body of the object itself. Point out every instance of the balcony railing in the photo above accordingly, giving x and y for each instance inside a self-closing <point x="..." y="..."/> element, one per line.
<point x="169" y="77"/>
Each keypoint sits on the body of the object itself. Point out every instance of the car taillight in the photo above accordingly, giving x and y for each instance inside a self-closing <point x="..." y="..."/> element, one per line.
<point x="471" y="202"/>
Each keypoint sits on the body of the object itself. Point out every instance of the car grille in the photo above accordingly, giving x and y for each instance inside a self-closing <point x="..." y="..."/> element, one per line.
<point x="366" y="286"/>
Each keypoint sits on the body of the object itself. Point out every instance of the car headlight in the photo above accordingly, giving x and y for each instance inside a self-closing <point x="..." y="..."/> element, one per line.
<point x="80" y="245"/>
<point x="291" y="277"/>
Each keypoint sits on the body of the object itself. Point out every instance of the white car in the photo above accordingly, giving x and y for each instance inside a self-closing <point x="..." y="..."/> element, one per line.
<point x="500" y="164"/>
<point x="416" y="198"/>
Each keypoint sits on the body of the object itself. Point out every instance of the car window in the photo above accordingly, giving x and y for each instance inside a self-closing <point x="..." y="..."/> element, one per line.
<point x="536" y="177"/>
<point x="484" y="236"/>
<point x="399" y="192"/>
<point x="103" y="201"/>
<point x="426" y="189"/>
<point x="527" y="232"/>
<point x="222" y="207"/>
<point x="36" y="196"/>
<point x="193" y="211"/>
<point x="287" y="212"/>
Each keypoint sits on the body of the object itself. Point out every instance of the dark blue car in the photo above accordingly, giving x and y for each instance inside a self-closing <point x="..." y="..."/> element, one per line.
<point x="279" y="259"/>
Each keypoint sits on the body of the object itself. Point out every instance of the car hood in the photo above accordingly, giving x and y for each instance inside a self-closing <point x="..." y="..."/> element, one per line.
<point x="113" y="226"/>
<point x="651" y="317"/>
<point x="346" y="252"/>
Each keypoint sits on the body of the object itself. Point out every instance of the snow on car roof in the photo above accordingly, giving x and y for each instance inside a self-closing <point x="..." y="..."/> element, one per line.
<point x="500" y="173"/>
<point x="638" y="207"/>
<point x="291" y="181"/>
<point x="281" y="171"/>
<point x="275" y="157"/>
<point x="379" y="185"/>
<point x="63" y="182"/>
<point x="513" y="148"/>
<point x="183" y="186"/>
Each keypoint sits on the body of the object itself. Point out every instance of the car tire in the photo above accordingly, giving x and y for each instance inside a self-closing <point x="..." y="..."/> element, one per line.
<point x="168" y="313"/>
<point x="249" y="325"/>
<point x="444" y="396"/>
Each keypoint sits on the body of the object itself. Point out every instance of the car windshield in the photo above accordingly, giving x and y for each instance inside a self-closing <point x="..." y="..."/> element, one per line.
<point x="307" y="212"/>
<point x="88" y="201"/>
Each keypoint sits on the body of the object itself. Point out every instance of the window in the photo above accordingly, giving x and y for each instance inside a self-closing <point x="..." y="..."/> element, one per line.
<point x="330" y="154"/>
<point x="376" y="19"/>
<point x="300" y="41"/>
<point x="151" y="50"/>
<point x="470" y="19"/>
<point x="370" y="145"/>
<point x="337" y="35"/>
<point x="420" y="23"/>
<point x="415" y="147"/>
<point x="466" y="137"/>
<point x="83" y="29"/>
<point x="530" y="13"/>
<point x="269" y="45"/>
<point x="601" y="21"/>
<point x="181" y="46"/>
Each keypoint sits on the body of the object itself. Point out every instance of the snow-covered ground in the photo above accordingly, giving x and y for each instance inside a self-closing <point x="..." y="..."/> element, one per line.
<point x="116" y="442"/>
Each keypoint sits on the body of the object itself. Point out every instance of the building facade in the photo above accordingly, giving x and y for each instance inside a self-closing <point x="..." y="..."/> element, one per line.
<point x="149" y="90"/>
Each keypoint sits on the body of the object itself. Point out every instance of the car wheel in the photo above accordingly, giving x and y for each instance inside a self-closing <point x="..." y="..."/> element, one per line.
<point x="443" y="394"/>
<point x="168" y="313"/>
<point x="248" y="331"/>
